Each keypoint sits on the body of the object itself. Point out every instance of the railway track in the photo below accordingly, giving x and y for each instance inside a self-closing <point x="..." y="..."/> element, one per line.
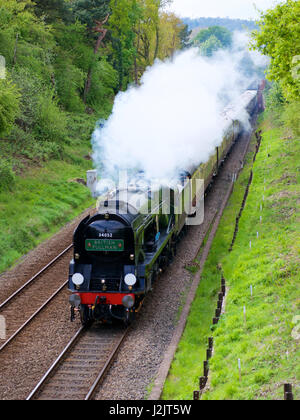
<point x="28" y="301"/>
<point x="82" y="365"/>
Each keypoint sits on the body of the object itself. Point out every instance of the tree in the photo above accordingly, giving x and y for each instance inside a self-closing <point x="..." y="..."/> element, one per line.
<point x="185" y="35"/>
<point x="158" y="34"/>
<point x="53" y="10"/>
<point x="211" y="45"/>
<point x="94" y="14"/>
<point x="124" y="16"/>
<point x="279" y="38"/>
<point x="170" y="30"/>
<point x="222" y="34"/>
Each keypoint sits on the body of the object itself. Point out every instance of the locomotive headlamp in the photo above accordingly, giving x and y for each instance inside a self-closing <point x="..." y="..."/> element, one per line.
<point x="130" y="279"/>
<point x="78" y="279"/>
<point x="75" y="301"/>
<point x="128" y="301"/>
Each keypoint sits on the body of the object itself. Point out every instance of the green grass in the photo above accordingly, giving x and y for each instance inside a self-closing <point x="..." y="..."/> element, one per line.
<point x="43" y="195"/>
<point x="271" y="267"/>
<point x="39" y="204"/>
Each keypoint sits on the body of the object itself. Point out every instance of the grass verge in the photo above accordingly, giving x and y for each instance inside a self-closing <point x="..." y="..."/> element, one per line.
<point x="42" y="196"/>
<point x="266" y="344"/>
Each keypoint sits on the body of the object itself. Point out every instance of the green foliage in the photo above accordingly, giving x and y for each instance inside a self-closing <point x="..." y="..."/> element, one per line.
<point x="125" y="14"/>
<point x="74" y="45"/>
<point x="69" y="82"/>
<point x="283" y="113"/>
<point x="264" y="343"/>
<point x="50" y="122"/>
<point x="216" y="37"/>
<point x="7" y="176"/>
<point x="104" y="83"/>
<point x="211" y="45"/>
<point x="184" y="36"/>
<point x="53" y="10"/>
<point x="64" y="62"/>
<point x="291" y="117"/>
<point x="9" y="105"/>
<point x="40" y="203"/>
<point x="40" y="114"/>
<point x="275" y="98"/>
<point x="90" y="11"/>
<point x="31" y="88"/>
<point x="279" y="38"/>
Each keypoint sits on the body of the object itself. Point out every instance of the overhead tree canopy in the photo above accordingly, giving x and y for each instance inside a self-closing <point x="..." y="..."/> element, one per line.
<point x="223" y="35"/>
<point x="279" y="38"/>
<point x="53" y="10"/>
<point x="90" y="11"/>
<point x="67" y="57"/>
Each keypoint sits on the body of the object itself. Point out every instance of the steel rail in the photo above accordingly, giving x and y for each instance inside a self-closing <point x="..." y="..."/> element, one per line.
<point x="17" y="292"/>
<point x="106" y="367"/>
<point x="12" y="337"/>
<point x="69" y="347"/>
<point x="57" y="361"/>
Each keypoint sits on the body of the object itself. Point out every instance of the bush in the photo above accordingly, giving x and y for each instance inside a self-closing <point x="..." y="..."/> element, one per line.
<point x="275" y="102"/>
<point x="40" y="117"/>
<point x="9" y="105"/>
<point x="275" y="97"/>
<point x="104" y="81"/>
<point x="291" y="117"/>
<point x="7" y="176"/>
<point x="51" y="122"/>
<point x="69" y="83"/>
<point x="30" y="87"/>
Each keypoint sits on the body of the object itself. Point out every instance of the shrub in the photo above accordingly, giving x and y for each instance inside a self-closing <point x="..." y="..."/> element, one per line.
<point x="9" y="105"/>
<point x="30" y="87"/>
<point x="291" y="117"/>
<point x="7" y="176"/>
<point x="275" y="97"/>
<point x="104" y="81"/>
<point x="51" y="122"/>
<point x="69" y="82"/>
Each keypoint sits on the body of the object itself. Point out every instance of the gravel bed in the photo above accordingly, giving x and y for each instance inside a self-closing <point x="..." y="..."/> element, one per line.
<point x="24" y="362"/>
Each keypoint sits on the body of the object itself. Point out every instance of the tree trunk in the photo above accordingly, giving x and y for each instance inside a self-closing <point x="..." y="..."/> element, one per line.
<point x="157" y="43"/>
<point x="136" y="72"/>
<point x="102" y="33"/>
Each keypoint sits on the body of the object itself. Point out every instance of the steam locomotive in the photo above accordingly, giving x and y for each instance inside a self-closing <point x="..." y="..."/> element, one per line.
<point x="120" y="251"/>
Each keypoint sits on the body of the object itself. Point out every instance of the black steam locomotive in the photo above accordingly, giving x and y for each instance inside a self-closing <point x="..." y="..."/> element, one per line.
<point x="119" y="252"/>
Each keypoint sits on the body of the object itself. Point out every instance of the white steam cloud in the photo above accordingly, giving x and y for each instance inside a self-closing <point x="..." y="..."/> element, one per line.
<point x="172" y="121"/>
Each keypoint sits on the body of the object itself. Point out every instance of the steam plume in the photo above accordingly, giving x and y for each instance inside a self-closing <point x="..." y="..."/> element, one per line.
<point x="172" y="120"/>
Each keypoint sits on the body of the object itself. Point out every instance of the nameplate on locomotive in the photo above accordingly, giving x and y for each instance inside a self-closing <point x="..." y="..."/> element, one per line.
<point x="112" y="245"/>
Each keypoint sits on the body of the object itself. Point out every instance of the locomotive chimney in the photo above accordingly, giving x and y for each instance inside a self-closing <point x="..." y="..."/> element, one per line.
<point x="91" y="181"/>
